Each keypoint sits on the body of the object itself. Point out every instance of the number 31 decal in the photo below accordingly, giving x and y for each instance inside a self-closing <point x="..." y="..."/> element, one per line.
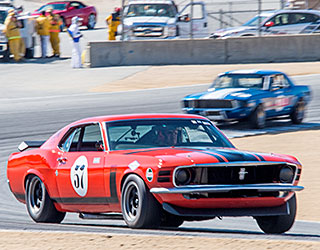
<point x="79" y="176"/>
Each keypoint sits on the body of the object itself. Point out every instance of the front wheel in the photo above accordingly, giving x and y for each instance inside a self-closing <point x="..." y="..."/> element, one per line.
<point x="39" y="205"/>
<point x="139" y="208"/>
<point x="91" y="21"/>
<point x="281" y="223"/>
<point x="258" y="118"/>
<point x="298" y="112"/>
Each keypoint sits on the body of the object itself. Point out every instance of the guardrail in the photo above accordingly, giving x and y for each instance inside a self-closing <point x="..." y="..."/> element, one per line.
<point x="205" y="51"/>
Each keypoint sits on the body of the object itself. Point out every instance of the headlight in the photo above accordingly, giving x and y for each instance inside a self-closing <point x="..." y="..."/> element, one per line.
<point x="183" y="176"/>
<point x="286" y="174"/>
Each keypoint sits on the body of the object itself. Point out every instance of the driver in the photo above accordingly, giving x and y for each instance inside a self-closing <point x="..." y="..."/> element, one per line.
<point x="167" y="136"/>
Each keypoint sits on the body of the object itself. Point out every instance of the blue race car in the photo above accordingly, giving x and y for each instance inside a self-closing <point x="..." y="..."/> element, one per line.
<point x="254" y="95"/>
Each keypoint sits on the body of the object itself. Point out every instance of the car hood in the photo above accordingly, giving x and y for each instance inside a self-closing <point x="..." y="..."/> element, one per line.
<point x="176" y="156"/>
<point x="132" y="21"/>
<point x="226" y="93"/>
<point x="233" y="30"/>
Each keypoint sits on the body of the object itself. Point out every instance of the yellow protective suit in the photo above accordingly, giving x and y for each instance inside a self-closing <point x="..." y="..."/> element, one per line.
<point x="113" y="22"/>
<point x="43" y="26"/>
<point x="55" y="23"/>
<point x="16" y="43"/>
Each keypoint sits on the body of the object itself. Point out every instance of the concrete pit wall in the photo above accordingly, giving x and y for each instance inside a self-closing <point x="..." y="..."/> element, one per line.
<point x="205" y="51"/>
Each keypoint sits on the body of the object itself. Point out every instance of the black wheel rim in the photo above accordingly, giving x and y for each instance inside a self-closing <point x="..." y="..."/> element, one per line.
<point x="132" y="201"/>
<point x="36" y="195"/>
<point x="300" y="111"/>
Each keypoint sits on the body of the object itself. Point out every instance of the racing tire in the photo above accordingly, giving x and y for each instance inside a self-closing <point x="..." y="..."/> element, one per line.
<point x="258" y="118"/>
<point x="298" y="112"/>
<point x="39" y="205"/>
<point x="91" y="21"/>
<point x="281" y="223"/>
<point x="139" y="208"/>
<point x="29" y="53"/>
<point x="170" y="220"/>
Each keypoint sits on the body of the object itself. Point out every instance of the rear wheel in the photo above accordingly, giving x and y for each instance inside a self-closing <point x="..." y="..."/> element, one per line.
<point x="139" y="208"/>
<point x="298" y="112"/>
<point x="258" y="118"/>
<point x="91" y="21"/>
<point x="39" y="205"/>
<point x="281" y="223"/>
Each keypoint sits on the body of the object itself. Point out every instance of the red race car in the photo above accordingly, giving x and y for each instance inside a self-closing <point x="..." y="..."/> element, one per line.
<point x="69" y="9"/>
<point x="152" y="170"/>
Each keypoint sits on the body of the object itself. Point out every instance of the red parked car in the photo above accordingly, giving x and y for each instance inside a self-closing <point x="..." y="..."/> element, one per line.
<point x="69" y="9"/>
<point x="153" y="170"/>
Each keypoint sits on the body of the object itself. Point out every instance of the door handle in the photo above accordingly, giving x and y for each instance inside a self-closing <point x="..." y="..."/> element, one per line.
<point x="62" y="160"/>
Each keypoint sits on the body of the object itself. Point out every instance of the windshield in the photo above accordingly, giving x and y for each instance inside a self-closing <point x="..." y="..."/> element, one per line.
<point x="55" y="6"/>
<point x="254" y="21"/>
<point x="238" y="81"/>
<point x="150" y="133"/>
<point x="3" y="15"/>
<point x="135" y="10"/>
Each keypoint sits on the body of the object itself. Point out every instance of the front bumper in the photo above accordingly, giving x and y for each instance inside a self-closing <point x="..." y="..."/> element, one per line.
<point x="220" y="114"/>
<point x="226" y="188"/>
<point x="213" y="212"/>
<point x="3" y="48"/>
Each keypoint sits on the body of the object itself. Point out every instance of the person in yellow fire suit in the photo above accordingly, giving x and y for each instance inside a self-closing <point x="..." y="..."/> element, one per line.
<point x="42" y="27"/>
<point x="12" y="32"/>
<point x="55" y="23"/>
<point x="113" y="22"/>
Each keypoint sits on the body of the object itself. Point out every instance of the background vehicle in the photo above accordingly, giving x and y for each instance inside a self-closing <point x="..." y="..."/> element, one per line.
<point x="27" y="33"/>
<point x="69" y="9"/>
<point x="273" y="23"/>
<point x="250" y="94"/>
<point x="156" y="169"/>
<point x="160" y="19"/>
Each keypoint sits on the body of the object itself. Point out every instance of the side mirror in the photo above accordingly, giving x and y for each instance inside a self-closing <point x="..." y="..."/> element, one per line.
<point x="71" y="8"/>
<point x="99" y="146"/>
<point x="269" y="24"/>
<point x="184" y="18"/>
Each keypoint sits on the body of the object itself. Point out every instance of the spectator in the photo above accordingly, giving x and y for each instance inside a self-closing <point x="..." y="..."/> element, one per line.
<point x="55" y="23"/>
<point x="113" y="22"/>
<point x="75" y="34"/>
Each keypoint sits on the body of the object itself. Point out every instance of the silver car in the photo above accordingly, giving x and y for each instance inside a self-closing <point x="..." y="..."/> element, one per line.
<point x="275" y="23"/>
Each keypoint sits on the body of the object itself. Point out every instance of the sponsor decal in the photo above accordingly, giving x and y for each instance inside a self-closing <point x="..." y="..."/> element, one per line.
<point x="96" y="160"/>
<point x="149" y="174"/>
<point x="79" y="176"/>
<point x="134" y="165"/>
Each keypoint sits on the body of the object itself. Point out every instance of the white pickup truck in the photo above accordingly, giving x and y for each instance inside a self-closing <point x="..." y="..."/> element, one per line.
<point x="27" y="33"/>
<point x="160" y="19"/>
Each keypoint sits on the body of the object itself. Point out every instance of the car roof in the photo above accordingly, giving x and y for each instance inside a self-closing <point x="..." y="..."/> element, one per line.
<point x="112" y="118"/>
<point x="252" y="71"/>
<point x="150" y="2"/>
<point x="299" y="11"/>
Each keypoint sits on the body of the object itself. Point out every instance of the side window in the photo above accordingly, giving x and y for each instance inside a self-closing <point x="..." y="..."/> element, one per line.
<point x="279" y="81"/>
<point x="92" y="140"/>
<point x="197" y="12"/>
<point x="281" y="19"/>
<point x="70" y="143"/>
<point x="302" y="18"/>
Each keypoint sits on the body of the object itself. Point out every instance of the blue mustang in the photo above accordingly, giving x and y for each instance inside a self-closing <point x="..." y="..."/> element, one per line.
<point x="253" y="95"/>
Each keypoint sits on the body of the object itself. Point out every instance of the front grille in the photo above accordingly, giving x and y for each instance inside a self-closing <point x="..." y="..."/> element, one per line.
<point x="208" y="104"/>
<point x="148" y="31"/>
<point x="235" y="175"/>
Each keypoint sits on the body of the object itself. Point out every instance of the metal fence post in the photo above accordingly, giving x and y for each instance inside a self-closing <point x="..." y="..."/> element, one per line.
<point x="259" y="17"/>
<point x="191" y="20"/>
<point x="122" y="32"/>
<point x="221" y="18"/>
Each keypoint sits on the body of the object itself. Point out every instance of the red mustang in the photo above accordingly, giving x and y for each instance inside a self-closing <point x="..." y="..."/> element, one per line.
<point x="155" y="169"/>
<point x="69" y="9"/>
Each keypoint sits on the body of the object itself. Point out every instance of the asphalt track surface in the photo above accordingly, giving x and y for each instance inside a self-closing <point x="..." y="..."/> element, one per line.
<point x="36" y="118"/>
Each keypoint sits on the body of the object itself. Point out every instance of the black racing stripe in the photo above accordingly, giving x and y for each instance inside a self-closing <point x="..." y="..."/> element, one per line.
<point x="113" y="187"/>
<point x="236" y="156"/>
<point x="260" y="157"/>
<point x="219" y="158"/>
<point x="84" y="200"/>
